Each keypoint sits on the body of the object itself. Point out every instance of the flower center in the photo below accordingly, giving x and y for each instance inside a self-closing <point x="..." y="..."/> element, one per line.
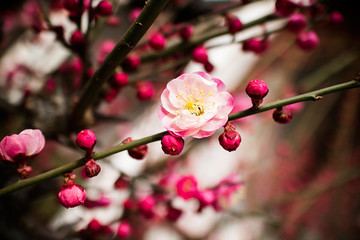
<point x="194" y="106"/>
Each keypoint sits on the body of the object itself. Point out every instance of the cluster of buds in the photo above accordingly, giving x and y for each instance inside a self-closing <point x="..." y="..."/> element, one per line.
<point x="136" y="152"/>
<point x="19" y="148"/>
<point x="230" y="139"/>
<point x="257" y="90"/>
<point x="86" y="140"/>
<point x="71" y="194"/>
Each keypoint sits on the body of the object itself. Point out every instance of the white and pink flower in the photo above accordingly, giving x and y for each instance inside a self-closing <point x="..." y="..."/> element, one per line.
<point x="195" y="104"/>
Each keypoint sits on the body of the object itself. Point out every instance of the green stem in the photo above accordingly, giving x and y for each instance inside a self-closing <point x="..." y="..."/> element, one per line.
<point x="195" y="42"/>
<point x="314" y="95"/>
<point x="133" y="35"/>
<point x="310" y="96"/>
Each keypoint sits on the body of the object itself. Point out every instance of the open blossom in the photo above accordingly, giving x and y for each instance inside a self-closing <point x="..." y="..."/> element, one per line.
<point x="22" y="146"/>
<point x="195" y="105"/>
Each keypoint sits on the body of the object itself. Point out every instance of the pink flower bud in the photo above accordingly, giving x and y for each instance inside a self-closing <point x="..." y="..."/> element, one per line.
<point x="187" y="187"/>
<point x="122" y="182"/>
<point x="205" y="198"/>
<point x="233" y="23"/>
<point x="284" y="7"/>
<point x="86" y="140"/>
<point x="255" y="45"/>
<point x="186" y="33"/>
<point x="257" y="89"/>
<point x="200" y="55"/>
<point x="104" y="8"/>
<point x="124" y="230"/>
<point x="172" y="145"/>
<point x="336" y="19"/>
<point x="23" y="146"/>
<point x="72" y="195"/>
<point x="307" y="40"/>
<point x="94" y="226"/>
<point x="120" y="79"/>
<point x="131" y="62"/>
<point x="77" y="38"/>
<point x="282" y="115"/>
<point x="230" y="140"/>
<point x="71" y="5"/>
<point x="157" y="42"/>
<point x="137" y="152"/>
<point x="92" y="169"/>
<point x="145" y="90"/>
<point x="296" y="23"/>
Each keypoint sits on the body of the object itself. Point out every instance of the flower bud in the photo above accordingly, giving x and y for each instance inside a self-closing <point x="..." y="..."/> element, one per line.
<point x="307" y="40"/>
<point x="282" y="115"/>
<point x="296" y="23"/>
<point x="200" y="55"/>
<point x="86" y="140"/>
<point x="255" y="45"/>
<point x="124" y="230"/>
<point x="233" y="23"/>
<point x="186" y="33"/>
<point x="145" y="90"/>
<point x="122" y="182"/>
<point x="104" y="8"/>
<point x="137" y="152"/>
<point x="172" y="145"/>
<point x="157" y="42"/>
<point x="131" y="62"/>
<point x="208" y="67"/>
<point x="187" y="187"/>
<point x="23" y="146"/>
<point x="230" y="139"/>
<point x="284" y="7"/>
<point x="257" y="89"/>
<point x="336" y="19"/>
<point x="120" y="79"/>
<point x="77" y="38"/>
<point x="92" y="169"/>
<point x="71" y="195"/>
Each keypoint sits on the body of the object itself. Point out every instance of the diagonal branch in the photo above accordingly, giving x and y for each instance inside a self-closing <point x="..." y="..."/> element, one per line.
<point x="133" y="35"/>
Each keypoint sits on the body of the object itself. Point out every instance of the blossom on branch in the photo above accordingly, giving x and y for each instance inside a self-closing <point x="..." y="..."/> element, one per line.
<point x="195" y="105"/>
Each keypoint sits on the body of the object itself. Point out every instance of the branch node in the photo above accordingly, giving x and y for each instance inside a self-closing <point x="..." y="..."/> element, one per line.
<point x="317" y="98"/>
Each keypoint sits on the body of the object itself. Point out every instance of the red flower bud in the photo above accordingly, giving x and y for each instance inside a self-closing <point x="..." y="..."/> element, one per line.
<point x="255" y="45"/>
<point x="200" y="55"/>
<point x="157" y="42"/>
<point x="137" y="152"/>
<point x="86" y="140"/>
<point x="92" y="169"/>
<point x="282" y="115"/>
<point x="307" y="40"/>
<point x="77" y="38"/>
<point x="145" y="90"/>
<point x="120" y="79"/>
<point x="336" y="19"/>
<point x="131" y="62"/>
<point x="124" y="230"/>
<point x="186" y="33"/>
<point x="257" y="89"/>
<point x="234" y="24"/>
<point x="230" y="140"/>
<point x="104" y="8"/>
<point x="71" y="195"/>
<point x="172" y="145"/>
<point x="296" y="23"/>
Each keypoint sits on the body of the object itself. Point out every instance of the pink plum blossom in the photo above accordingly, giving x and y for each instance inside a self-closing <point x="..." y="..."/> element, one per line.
<point x="22" y="146"/>
<point x="187" y="187"/>
<point x="195" y="104"/>
<point x="72" y="195"/>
